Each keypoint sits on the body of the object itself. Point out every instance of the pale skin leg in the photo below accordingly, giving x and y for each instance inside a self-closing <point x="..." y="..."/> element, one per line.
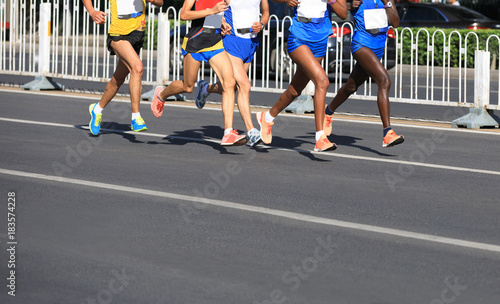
<point x="243" y="85"/>
<point x="308" y="68"/>
<point x="219" y="64"/>
<point x="129" y="63"/>
<point x="190" y="73"/>
<point x="367" y="65"/>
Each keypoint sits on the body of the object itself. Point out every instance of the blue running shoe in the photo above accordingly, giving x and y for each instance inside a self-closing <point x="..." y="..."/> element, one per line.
<point x="200" y="97"/>
<point x="95" y="120"/>
<point x="253" y="137"/>
<point x="138" y="125"/>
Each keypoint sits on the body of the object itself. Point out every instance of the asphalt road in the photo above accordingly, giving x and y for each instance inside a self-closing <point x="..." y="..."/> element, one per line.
<point x="170" y="216"/>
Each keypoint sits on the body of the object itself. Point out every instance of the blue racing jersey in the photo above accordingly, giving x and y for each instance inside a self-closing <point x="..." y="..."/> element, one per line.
<point x="365" y="37"/>
<point x="312" y="31"/>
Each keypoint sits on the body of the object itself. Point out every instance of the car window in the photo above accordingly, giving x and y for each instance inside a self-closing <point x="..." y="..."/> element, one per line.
<point x="422" y="14"/>
<point x="467" y="14"/>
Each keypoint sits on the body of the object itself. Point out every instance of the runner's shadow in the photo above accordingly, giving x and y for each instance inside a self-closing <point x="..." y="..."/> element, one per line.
<point x="119" y="129"/>
<point x="341" y="140"/>
<point x="206" y="135"/>
<point x="298" y="144"/>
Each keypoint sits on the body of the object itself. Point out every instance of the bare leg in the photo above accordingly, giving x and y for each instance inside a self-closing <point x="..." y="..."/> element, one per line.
<point x="240" y="71"/>
<point x="221" y="64"/>
<point x="368" y="65"/>
<point x="114" y="84"/>
<point x="190" y="73"/>
<point x="309" y="68"/>
<point x="131" y="60"/>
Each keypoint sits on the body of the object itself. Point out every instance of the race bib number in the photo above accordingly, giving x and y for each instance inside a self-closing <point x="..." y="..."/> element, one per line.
<point x="375" y="19"/>
<point x="128" y="8"/>
<point x="312" y="8"/>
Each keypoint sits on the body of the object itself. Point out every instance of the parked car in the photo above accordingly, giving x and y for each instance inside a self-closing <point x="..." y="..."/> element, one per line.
<point x="442" y="16"/>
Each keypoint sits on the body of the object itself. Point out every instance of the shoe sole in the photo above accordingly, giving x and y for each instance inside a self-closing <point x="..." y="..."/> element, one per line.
<point x="255" y="143"/>
<point x="259" y="115"/>
<point x="153" y="110"/>
<point x="323" y="150"/>
<point x="235" y="143"/>
<point x="91" y="108"/>
<point x="197" y="100"/>
<point x="143" y="129"/>
<point x="397" y="141"/>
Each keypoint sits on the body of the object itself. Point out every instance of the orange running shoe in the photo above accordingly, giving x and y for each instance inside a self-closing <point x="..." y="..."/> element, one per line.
<point x="157" y="104"/>
<point x="392" y="139"/>
<point x="327" y="125"/>
<point x="232" y="138"/>
<point x="265" y="128"/>
<point x="323" y="144"/>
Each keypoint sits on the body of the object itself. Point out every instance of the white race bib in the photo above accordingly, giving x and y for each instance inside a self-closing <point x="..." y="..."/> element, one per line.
<point x="128" y="8"/>
<point x="312" y="8"/>
<point x="375" y="19"/>
<point x="213" y="21"/>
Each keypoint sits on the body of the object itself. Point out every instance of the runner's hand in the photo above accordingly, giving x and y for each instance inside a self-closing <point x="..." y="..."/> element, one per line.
<point x="219" y="7"/>
<point x="257" y="27"/>
<point x="292" y="3"/>
<point x="99" y="17"/>
<point x="356" y="3"/>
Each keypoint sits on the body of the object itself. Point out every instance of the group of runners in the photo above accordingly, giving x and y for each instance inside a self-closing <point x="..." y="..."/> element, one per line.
<point x="224" y="34"/>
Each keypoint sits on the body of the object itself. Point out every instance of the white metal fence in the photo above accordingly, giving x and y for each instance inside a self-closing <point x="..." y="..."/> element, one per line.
<point x="76" y="49"/>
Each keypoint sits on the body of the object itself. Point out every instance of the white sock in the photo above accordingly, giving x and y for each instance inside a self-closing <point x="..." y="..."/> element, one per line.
<point x="318" y="134"/>
<point x="135" y="115"/>
<point x="269" y="117"/>
<point x="98" y="109"/>
<point x="204" y="90"/>
<point x="252" y="130"/>
<point x="227" y="131"/>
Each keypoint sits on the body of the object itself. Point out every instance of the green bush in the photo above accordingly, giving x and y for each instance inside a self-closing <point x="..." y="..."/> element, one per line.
<point x="452" y="40"/>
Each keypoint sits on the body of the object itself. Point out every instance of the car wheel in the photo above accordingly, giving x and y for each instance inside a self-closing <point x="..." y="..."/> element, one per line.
<point x="277" y="65"/>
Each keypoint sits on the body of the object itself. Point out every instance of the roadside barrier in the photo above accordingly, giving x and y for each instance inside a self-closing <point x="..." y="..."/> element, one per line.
<point x="57" y="39"/>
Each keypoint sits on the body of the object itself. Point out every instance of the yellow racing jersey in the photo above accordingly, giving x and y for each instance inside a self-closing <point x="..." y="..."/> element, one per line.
<point x="127" y="16"/>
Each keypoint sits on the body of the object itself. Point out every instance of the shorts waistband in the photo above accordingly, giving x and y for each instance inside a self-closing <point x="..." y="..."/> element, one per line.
<point x="244" y="30"/>
<point x="211" y="30"/>
<point x="129" y="16"/>
<point x="307" y="20"/>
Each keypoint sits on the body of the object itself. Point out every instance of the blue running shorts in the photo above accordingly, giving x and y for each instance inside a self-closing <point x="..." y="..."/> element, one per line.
<point x="203" y="56"/>
<point x="379" y="52"/>
<point x="318" y="48"/>
<point x="241" y="47"/>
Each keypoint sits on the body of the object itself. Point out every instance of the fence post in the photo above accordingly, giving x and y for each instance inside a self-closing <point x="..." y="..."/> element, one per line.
<point x="479" y="116"/>
<point x="162" y="58"/>
<point x="305" y="102"/>
<point x="41" y="82"/>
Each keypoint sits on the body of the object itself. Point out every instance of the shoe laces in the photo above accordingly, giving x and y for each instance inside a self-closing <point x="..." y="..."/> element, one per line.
<point x="159" y="105"/>
<point x="139" y="121"/>
<point x="328" y="120"/>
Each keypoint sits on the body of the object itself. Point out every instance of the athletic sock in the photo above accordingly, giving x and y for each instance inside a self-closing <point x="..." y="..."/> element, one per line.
<point x="135" y="115"/>
<point x="328" y="111"/>
<point x="269" y="117"/>
<point x="98" y="109"/>
<point x="318" y="134"/>
<point x="227" y="131"/>
<point x="387" y="130"/>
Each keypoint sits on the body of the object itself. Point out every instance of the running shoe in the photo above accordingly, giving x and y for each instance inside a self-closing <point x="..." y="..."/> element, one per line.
<point x="265" y="128"/>
<point x="138" y="125"/>
<point x="95" y="120"/>
<point x="232" y="138"/>
<point x="200" y="97"/>
<point x="392" y="139"/>
<point x="253" y="137"/>
<point x="323" y="144"/>
<point x="157" y="104"/>
<point x="327" y="125"/>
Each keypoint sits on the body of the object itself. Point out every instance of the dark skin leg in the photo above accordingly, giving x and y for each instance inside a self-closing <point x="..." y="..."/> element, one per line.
<point x="308" y="68"/>
<point x="367" y="65"/>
